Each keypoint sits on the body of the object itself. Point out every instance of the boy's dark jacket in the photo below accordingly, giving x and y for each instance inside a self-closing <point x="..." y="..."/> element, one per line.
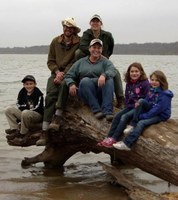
<point x="160" y="102"/>
<point x="34" y="102"/>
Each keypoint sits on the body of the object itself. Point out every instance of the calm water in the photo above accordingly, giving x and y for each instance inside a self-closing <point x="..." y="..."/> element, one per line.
<point x="82" y="179"/>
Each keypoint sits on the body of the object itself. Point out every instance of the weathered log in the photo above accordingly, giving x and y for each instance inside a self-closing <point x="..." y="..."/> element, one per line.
<point x="135" y="191"/>
<point x="155" y="152"/>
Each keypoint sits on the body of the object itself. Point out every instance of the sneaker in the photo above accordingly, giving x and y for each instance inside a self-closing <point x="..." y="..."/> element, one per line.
<point x="128" y="129"/>
<point x="121" y="146"/>
<point x="55" y="124"/>
<point x="108" y="142"/>
<point x="99" y="115"/>
<point x="10" y="131"/>
<point x="43" y="139"/>
<point x="14" y="135"/>
<point x="109" y="117"/>
<point x="100" y="143"/>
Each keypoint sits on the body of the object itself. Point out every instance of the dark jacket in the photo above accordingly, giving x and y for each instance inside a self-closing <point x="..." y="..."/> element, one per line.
<point x="105" y="37"/>
<point x="135" y="91"/>
<point x="160" y="102"/>
<point x="34" y="102"/>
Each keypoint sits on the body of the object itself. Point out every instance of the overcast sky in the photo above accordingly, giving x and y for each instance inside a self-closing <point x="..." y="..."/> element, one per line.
<point x="37" y="22"/>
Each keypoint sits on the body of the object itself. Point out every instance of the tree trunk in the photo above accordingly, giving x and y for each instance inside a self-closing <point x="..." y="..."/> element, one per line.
<point x="155" y="152"/>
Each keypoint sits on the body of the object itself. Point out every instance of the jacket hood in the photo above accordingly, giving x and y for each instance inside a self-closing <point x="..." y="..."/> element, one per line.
<point x="168" y="93"/>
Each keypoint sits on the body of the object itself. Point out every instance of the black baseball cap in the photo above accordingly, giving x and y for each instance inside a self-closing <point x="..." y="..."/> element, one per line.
<point x="28" y="78"/>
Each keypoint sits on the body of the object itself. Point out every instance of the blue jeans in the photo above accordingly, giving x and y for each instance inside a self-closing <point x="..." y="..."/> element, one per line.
<point x="137" y="131"/>
<point x="98" y="98"/>
<point x="143" y="107"/>
<point x="120" y="122"/>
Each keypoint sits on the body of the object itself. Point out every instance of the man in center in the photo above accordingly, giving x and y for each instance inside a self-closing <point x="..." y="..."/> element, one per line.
<point x="95" y="87"/>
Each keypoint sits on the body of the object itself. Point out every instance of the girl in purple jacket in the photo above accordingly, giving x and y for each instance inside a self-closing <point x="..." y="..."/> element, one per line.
<point x="156" y="107"/>
<point x="137" y="86"/>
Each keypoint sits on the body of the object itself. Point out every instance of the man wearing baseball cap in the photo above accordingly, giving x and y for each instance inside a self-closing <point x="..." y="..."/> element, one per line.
<point x="95" y="74"/>
<point x="96" y="31"/>
<point x="60" y="58"/>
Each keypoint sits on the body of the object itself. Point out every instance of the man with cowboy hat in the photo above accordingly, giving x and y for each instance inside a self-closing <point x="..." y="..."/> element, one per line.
<point x="60" y="58"/>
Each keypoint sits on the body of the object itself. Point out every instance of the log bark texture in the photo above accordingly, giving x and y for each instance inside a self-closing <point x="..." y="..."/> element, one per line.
<point x="155" y="152"/>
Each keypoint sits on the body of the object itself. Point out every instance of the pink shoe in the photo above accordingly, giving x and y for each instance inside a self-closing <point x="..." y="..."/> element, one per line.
<point x="108" y="142"/>
<point x="100" y="143"/>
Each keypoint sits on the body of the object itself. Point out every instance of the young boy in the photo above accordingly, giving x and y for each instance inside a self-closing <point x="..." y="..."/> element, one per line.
<point x="29" y="111"/>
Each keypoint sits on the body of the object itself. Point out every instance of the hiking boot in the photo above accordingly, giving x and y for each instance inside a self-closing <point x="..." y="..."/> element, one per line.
<point x="121" y="146"/>
<point x="55" y="124"/>
<point x="14" y="135"/>
<point x="99" y="115"/>
<point x="43" y="139"/>
<point x="10" y="131"/>
<point x="109" y="117"/>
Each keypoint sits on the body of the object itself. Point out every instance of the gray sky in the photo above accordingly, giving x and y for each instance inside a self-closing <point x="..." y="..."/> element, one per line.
<point x="37" y="22"/>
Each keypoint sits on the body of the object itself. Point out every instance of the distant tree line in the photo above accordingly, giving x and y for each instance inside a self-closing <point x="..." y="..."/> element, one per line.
<point x="25" y="50"/>
<point x="133" y="48"/>
<point x="147" y="48"/>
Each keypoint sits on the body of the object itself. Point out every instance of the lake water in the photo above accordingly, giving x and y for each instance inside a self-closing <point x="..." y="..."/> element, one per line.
<point x="83" y="177"/>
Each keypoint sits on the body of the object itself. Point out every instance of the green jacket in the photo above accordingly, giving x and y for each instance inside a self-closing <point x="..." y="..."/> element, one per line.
<point x="60" y="56"/>
<point x="84" y="68"/>
<point x="106" y="37"/>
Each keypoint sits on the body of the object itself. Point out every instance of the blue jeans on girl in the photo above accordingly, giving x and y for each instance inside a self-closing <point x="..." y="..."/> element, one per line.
<point x="120" y="122"/>
<point x="139" y="125"/>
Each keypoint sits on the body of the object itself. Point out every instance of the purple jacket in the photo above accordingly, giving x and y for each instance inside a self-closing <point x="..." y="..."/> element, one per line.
<point x="135" y="91"/>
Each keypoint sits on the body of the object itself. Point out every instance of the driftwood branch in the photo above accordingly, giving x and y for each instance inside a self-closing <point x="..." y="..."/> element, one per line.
<point x="135" y="191"/>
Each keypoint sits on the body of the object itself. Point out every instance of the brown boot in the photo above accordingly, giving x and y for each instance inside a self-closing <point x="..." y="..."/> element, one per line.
<point x="99" y="115"/>
<point x="120" y="102"/>
<point x="14" y="135"/>
<point x="55" y="124"/>
<point x="10" y="131"/>
<point x="43" y="139"/>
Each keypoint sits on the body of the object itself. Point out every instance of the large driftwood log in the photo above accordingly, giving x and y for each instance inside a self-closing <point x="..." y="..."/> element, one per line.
<point x="155" y="152"/>
<point x="135" y="191"/>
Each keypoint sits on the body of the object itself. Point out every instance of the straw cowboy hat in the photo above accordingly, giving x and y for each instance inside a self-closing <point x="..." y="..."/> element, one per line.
<point x="69" y="22"/>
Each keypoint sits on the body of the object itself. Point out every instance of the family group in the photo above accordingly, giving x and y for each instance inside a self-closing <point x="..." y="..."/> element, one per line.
<point x="81" y="66"/>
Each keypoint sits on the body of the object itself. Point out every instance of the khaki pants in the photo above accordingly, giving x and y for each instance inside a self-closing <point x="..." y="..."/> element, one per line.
<point x="28" y="118"/>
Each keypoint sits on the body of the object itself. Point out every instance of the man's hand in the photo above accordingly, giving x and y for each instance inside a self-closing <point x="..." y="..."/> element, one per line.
<point x="73" y="90"/>
<point x="101" y="81"/>
<point x="59" y="77"/>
